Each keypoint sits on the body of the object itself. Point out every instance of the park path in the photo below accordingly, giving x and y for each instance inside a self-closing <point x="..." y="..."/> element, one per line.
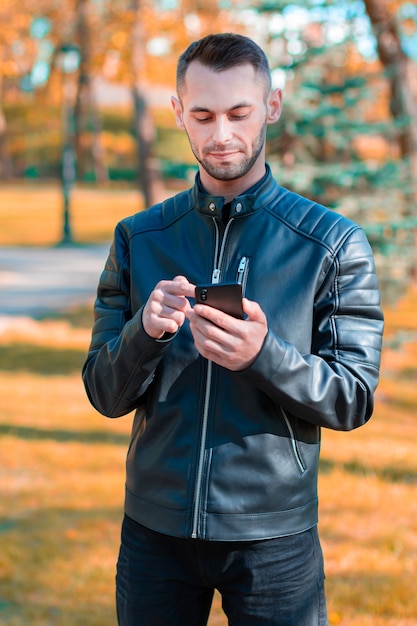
<point x="37" y="281"/>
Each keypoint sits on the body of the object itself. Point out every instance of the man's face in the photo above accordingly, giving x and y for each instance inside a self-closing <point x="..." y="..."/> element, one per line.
<point x="225" y="115"/>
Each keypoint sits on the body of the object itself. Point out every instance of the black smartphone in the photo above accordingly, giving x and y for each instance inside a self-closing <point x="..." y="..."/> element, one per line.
<point x="226" y="297"/>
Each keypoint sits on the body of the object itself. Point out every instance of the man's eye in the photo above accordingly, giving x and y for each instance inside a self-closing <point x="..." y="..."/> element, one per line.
<point x="203" y="119"/>
<point x="239" y="117"/>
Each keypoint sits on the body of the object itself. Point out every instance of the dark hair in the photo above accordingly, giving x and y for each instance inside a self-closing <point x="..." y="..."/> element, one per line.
<point x="221" y="52"/>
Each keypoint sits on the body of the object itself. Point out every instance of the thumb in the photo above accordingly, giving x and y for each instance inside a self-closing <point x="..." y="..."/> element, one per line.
<point x="253" y="311"/>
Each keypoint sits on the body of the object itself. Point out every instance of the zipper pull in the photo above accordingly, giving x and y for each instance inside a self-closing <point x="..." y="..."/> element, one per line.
<point x="241" y="269"/>
<point x="215" y="277"/>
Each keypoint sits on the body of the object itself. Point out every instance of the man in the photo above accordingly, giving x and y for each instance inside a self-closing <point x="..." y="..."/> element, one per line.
<point x="221" y="489"/>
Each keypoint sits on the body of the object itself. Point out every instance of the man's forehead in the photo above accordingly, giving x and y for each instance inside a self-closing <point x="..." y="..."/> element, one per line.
<point x="237" y="84"/>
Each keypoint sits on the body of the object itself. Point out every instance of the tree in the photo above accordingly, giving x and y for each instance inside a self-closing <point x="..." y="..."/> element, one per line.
<point x="85" y="109"/>
<point x="398" y="71"/>
<point x="5" y="166"/>
<point x="11" y="64"/>
<point x="338" y="141"/>
<point x="142" y="121"/>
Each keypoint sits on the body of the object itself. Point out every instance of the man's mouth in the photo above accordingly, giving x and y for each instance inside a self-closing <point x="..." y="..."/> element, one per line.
<point x="222" y="156"/>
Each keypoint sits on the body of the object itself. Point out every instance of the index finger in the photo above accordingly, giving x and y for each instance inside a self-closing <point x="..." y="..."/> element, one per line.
<point x="216" y="316"/>
<point x="182" y="287"/>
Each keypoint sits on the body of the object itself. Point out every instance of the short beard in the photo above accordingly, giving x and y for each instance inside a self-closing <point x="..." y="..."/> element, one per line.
<point x="233" y="172"/>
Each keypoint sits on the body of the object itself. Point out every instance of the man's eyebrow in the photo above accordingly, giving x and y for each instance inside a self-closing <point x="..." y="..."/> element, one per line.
<point x="240" y="105"/>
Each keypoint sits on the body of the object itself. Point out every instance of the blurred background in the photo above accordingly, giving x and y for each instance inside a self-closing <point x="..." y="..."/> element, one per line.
<point x="85" y="91"/>
<point x="87" y="136"/>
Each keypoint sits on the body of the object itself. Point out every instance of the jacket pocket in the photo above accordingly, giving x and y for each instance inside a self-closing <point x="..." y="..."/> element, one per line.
<point x="294" y="442"/>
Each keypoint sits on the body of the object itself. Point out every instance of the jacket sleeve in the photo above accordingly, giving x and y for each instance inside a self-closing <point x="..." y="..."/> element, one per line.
<point x="122" y="358"/>
<point x="333" y="386"/>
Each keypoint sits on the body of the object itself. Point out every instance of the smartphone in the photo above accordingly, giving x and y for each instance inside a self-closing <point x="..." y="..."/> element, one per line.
<point x="226" y="297"/>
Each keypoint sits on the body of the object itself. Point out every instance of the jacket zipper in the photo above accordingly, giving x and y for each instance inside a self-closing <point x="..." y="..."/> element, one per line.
<point x="218" y="257"/>
<point x="242" y="272"/>
<point x="215" y="278"/>
<point x="293" y="440"/>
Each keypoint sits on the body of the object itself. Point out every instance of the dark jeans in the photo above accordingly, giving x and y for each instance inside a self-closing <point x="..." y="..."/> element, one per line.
<point x="166" y="581"/>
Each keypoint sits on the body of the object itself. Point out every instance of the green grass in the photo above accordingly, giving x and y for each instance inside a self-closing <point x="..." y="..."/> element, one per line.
<point x="42" y="359"/>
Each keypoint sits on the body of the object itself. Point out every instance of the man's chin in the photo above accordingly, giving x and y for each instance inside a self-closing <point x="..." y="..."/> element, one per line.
<point x="225" y="173"/>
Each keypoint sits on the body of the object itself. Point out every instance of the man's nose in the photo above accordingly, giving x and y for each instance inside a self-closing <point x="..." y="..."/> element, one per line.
<point x="222" y="130"/>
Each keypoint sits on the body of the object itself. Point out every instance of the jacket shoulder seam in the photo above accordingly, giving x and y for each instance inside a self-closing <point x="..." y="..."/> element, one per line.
<point x="301" y="226"/>
<point x="159" y="216"/>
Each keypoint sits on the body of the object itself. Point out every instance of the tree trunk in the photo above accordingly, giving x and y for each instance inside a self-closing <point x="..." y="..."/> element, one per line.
<point x="5" y="165"/>
<point x="85" y="106"/>
<point x="3" y="156"/>
<point x="403" y="100"/>
<point x="148" y="175"/>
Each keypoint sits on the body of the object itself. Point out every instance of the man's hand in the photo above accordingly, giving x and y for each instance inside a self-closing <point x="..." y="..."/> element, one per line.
<point x="167" y="307"/>
<point x="225" y="340"/>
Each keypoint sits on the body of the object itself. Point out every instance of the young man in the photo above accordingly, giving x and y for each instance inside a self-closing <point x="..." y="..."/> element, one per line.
<point x="221" y="489"/>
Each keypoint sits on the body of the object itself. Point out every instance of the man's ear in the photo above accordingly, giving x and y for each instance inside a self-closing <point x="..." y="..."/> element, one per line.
<point x="176" y="105"/>
<point x="274" y="105"/>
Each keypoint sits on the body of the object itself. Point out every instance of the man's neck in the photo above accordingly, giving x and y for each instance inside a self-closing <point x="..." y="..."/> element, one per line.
<point x="229" y="189"/>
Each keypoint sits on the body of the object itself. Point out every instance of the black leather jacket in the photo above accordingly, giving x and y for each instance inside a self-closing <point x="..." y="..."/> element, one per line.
<point x="224" y="455"/>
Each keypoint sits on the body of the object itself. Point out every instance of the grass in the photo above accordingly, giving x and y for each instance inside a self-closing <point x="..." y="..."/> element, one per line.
<point x="32" y="214"/>
<point x="62" y="482"/>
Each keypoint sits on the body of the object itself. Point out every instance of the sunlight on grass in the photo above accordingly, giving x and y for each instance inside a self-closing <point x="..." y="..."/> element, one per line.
<point x="368" y="509"/>
<point x="62" y="476"/>
<point x="31" y="215"/>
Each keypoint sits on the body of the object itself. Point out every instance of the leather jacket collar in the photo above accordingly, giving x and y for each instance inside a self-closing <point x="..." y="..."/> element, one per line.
<point x="250" y="201"/>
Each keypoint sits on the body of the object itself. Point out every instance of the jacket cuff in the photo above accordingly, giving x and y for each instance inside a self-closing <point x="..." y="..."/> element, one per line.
<point x="268" y="360"/>
<point x="166" y="337"/>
